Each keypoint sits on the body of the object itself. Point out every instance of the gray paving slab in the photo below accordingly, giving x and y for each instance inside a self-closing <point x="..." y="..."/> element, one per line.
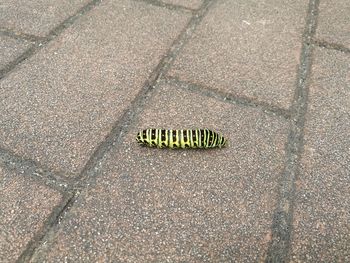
<point x="10" y="49"/>
<point x="60" y="104"/>
<point x="24" y="207"/>
<point x="247" y="48"/>
<point x="36" y="17"/>
<point x="322" y="215"/>
<point x="193" y="4"/>
<point x="158" y="205"/>
<point x="334" y="22"/>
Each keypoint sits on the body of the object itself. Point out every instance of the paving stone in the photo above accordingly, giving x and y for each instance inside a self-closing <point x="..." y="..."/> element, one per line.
<point x="334" y="28"/>
<point x="322" y="215"/>
<point x="60" y="104"/>
<point x="37" y="17"/>
<point x="10" y="49"/>
<point x="24" y="207"/>
<point x="247" y="48"/>
<point x="193" y="4"/>
<point x="161" y="205"/>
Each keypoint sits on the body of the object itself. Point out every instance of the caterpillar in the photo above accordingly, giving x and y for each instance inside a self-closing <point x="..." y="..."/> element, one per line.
<point x="199" y="138"/>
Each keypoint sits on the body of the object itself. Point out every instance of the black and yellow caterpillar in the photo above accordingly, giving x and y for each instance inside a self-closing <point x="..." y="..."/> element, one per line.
<point x="199" y="138"/>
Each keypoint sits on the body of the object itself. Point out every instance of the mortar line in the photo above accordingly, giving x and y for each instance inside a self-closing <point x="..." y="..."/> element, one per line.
<point x="20" y="36"/>
<point x="50" y="222"/>
<point x="28" y="167"/>
<point x="228" y="97"/>
<point x="167" y="5"/>
<point x="18" y="60"/>
<point x="330" y="45"/>
<point x="120" y="128"/>
<point x="45" y="40"/>
<point x="282" y="222"/>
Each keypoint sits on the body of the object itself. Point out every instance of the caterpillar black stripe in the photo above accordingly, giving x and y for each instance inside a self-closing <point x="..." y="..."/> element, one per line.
<point x="199" y="138"/>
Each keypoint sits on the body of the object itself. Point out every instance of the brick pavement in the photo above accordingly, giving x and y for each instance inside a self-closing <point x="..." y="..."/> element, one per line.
<point x="78" y="79"/>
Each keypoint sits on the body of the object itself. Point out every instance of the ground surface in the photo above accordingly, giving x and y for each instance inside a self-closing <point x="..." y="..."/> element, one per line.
<point x="79" y="78"/>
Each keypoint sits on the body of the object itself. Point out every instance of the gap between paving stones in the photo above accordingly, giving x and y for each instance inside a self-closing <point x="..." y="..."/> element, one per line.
<point x="328" y="45"/>
<point x="166" y="5"/>
<point x="120" y="128"/>
<point x="279" y="247"/>
<point x="26" y="54"/>
<point x="28" y="167"/>
<point x="228" y="97"/>
<point x="50" y="222"/>
<point x="21" y="36"/>
<point x="41" y="42"/>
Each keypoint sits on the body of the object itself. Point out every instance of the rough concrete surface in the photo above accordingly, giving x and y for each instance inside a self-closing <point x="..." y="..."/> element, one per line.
<point x="247" y="48"/>
<point x="152" y="205"/>
<point x="24" y="207"/>
<point x="80" y="78"/>
<point x="322" y="216"/>
<point x="61" y="103"/>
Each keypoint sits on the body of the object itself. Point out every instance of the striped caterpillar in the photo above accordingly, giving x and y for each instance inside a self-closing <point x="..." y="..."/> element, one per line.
<point x="199" y="138"/>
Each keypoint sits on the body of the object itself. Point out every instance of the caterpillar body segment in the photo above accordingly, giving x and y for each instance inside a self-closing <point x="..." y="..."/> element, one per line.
<point x="198" y="138"/>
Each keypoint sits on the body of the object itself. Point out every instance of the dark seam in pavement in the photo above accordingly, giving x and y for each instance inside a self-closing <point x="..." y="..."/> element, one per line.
<point x="44" y="41"/>
<point x="120" y="127"/>
<point x="166" y="5"/>
<point x="20" y="36"/>
<point x="280" y="245"/>
<point x="329" y="45"/>
<point x="67" y="199"/>
<point x="18" y="60"/>
<point x="228" y="97"/>
<point x="28" y="167"/>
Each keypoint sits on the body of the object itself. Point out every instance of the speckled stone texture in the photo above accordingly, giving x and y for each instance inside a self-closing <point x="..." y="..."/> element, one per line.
<point x="62" y="102"/>
<point x="10" y="49"/>
<point x="334" y="22"/>
<point x="247" y="48"/>
<point x="322" y="214"/>
<point x="161" y="205"/>
<point x="36" y="17"/>
<point x="24" y="207"/>
<point x="193" y="4"/>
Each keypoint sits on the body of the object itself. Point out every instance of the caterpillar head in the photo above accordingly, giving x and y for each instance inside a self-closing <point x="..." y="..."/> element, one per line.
<point x="139" y="137"/>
